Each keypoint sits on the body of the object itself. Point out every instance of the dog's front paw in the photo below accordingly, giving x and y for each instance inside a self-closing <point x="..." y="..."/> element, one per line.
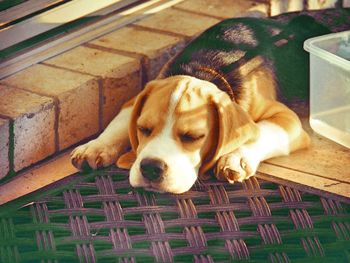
<point x="236" y="167"/>
<point x="93" y="154"/>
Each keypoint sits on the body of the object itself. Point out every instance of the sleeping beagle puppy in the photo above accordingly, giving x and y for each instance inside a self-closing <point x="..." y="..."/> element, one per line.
<point x="213" y="106"/>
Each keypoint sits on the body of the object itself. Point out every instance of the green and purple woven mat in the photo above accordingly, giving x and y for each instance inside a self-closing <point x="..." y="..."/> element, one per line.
<point x="98" y="217"/>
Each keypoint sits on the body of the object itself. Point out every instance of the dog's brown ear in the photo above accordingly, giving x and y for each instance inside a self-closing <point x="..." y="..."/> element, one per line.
<point x="126" y="160"/>
<point x="235" y="128"/>
<point x="136" y="111"/>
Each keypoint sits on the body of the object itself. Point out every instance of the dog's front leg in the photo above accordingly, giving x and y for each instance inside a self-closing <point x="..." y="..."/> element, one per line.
<point x="280" y="133"/>
<point x="105" y="149"/>
<point x="244" y="161"/>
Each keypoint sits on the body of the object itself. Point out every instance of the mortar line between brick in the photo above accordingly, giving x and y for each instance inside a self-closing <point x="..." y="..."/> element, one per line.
<point x="100" y="105"/>
<point x="144" y="65"/>
<point x="56" y="124"/>
<point x="125" y="53"/>
<point x="267" y="2"/>
<point x="339" y="4"/>
<point x="198" y="13"/>
<point x="29" y="91"/>
<point x="269" y="10"/>
<point x="68" y="69"/>
<point x="11" y="151"/>
<point x="158" y="31"/>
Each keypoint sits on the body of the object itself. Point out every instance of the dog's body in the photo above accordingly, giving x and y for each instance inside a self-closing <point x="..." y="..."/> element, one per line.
<point x="215" y="103"/>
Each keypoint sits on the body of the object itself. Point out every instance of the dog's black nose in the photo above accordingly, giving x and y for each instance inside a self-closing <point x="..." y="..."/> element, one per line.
<point x="153" y="169"/>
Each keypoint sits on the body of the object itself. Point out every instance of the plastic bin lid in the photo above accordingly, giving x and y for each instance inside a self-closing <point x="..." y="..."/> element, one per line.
<point x="311" y="46"/>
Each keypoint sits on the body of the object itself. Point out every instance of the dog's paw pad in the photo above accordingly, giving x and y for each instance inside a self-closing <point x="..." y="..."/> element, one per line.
<point x="235" y="167"/>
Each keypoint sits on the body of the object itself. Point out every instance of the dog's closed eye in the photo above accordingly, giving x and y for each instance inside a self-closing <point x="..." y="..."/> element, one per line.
<point x="145" y="130"/>
<point x="189" y="137"/>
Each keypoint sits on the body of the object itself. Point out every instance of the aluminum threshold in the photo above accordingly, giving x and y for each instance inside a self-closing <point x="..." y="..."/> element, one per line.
<point x="26" y="8"/>
<point x="62" y="43"/>
<point x="56" y="17"/>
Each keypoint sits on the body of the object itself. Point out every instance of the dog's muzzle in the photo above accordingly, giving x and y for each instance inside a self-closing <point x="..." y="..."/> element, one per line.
<point x="153" y="169"/>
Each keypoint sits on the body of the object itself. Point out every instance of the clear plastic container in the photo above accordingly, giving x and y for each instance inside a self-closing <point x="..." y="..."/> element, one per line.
<point x="330" y="86"/>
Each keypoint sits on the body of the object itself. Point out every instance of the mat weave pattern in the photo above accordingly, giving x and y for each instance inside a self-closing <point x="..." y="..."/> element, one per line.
<point x="100" y="218"/>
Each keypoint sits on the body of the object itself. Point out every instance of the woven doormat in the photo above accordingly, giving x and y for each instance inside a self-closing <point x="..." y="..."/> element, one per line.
<point x="98" y="217"/>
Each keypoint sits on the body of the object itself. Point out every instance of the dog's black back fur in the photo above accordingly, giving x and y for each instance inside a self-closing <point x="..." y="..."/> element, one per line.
<point x="217" y="54"/>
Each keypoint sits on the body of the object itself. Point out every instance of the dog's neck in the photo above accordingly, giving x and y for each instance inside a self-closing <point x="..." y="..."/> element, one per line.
<point x="227" y="78"/>
<point x="220" y="81"/>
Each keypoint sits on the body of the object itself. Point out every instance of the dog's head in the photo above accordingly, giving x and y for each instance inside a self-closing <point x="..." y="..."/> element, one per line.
<point x="179" y="128"/>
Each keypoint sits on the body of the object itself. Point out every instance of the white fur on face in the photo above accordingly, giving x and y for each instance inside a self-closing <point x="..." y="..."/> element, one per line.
<point x="182" y="167"/>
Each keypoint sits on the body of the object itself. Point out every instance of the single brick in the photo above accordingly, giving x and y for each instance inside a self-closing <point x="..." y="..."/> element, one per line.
<point x="179" y="22"/>
<point x="120" y="75"/>
<point x="4" y="148"/>
<point x="157" y="47"/>
<point x="33" y="125"/>
<point x="223" y="8"/>
<point x="77" y="96"/>
<point x="283" y="6"/>
<point x="312" y="4"/>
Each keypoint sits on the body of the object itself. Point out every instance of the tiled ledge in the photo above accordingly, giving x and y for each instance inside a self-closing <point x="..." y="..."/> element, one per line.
<point x="60" y="102"/>
<point x="73" y="96"/>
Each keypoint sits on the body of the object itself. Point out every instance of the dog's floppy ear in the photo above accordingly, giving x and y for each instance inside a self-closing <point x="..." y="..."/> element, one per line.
<point x="126" y="160"/>
<point x="235" y="128"/>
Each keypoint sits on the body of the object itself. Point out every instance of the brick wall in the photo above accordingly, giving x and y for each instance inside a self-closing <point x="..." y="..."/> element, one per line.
<point x="61" y="102"/>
